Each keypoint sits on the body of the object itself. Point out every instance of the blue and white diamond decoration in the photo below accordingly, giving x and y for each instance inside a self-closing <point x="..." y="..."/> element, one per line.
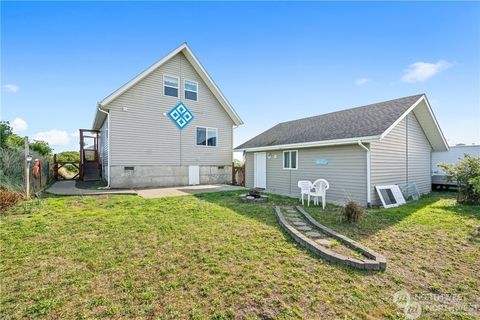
<point x="180" y="115"/>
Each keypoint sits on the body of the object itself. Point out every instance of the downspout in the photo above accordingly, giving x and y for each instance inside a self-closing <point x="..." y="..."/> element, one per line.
<point x="369" y="191"/>
<point x="108" y="144"/>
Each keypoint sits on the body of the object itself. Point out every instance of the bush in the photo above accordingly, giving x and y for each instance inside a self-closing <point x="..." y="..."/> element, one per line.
<point x="352" y="211"/>
<point x="8" y="198"/>
<point x="68" y="156"/>
<point x="466" y="174"/>
<point x="11" y="169"/>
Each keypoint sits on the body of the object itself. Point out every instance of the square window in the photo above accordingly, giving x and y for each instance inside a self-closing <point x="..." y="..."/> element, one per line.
<point x="206" y="137"/>
<point x="290" y="159"/>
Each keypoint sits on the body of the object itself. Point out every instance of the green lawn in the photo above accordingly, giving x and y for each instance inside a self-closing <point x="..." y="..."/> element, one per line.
<point x="210" y="256"/>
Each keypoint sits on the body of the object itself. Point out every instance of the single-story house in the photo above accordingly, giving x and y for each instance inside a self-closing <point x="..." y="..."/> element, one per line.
<point x="356" y="149"/>
<point x="169" y="126"/>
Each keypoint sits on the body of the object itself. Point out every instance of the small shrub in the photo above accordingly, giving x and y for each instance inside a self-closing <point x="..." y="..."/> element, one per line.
<point x="8" y="198"/>
<point x="466" y="174"/>
<point x="352" y="211"/>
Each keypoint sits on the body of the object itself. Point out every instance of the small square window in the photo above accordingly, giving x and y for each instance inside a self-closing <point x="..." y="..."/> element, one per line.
<point x="206" y="137"/>
<point x="191" y="90"/>
<point x="290" y="159"/>
<point x="170" y="86"/>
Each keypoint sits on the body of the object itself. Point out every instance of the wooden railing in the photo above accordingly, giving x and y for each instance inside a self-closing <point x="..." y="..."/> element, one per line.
<point x="57" y="165"/>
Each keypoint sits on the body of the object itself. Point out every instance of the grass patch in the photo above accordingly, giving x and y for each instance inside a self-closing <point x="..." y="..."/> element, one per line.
<point x="212" y="256"/>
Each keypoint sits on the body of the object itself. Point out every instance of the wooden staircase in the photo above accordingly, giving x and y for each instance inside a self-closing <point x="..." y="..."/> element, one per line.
<point x="91" y="171"/>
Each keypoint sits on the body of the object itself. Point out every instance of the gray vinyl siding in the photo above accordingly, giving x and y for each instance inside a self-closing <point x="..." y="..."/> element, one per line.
<point x="388" y="160"/>
<point x="103" y="145"/>
<point x="419" y="156"/>
<point x="345" y="172"/>
<point x="404" y="155"/>
<point x="143" y="135"/>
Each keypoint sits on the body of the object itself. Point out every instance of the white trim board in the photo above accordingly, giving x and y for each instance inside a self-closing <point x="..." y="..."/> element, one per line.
<point x="290" y="160"/>
<point x="314" y="144"/>
<point x="432" y="115"/>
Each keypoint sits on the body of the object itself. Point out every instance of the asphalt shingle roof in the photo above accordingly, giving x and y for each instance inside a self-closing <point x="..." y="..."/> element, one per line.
<point x="369" y="120"/>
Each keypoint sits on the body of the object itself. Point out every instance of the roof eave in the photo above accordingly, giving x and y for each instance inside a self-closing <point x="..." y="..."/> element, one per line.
<point x="313" y="144"/>
<point x="439" y="130"/>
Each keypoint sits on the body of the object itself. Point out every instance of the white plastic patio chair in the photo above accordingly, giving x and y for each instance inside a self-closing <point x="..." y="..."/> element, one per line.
<point x="320" y="187"/>
<point x="305" y="189"/>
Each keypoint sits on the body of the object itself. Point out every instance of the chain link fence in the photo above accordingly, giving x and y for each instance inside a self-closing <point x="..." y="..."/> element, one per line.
<point x="12" y="174"/>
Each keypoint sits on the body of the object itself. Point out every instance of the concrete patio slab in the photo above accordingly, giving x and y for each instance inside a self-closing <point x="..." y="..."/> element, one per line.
<point x="186" y="190"/>
<point x="68" y="188"/>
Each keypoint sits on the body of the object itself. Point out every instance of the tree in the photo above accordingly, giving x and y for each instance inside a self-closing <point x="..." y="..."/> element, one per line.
<point x="8" y="139"/>
<point x="15" y="141"/>
<point x="5" y="132"/>
<point x="466" y="174"/>
<point x="41" y="147"/>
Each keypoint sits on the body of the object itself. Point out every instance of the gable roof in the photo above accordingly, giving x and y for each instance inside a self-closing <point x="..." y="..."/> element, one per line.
<point x="367" y="123"/>
<point x="185" y="49"/>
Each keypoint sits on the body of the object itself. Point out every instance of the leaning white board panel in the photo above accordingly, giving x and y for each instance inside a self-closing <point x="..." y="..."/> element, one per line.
<point x="390" y="195"/>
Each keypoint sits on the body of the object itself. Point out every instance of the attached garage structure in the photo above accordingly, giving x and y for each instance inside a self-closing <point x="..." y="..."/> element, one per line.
<point x="355" y="150"/>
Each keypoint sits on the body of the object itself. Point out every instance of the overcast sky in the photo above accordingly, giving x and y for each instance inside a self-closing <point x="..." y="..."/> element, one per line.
<point x="274" y="61"/>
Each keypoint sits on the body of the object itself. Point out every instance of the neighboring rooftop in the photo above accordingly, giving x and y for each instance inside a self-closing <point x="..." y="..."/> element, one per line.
<point x="366" y="121"/>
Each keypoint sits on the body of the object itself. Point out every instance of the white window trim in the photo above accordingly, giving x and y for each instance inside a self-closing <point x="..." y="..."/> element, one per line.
<point x="206" y="137"/>
<point x="184" y="89"/>
<point x="296" y="160"/>
<point x="397" y="194"/>
<point x="163" y="85"/>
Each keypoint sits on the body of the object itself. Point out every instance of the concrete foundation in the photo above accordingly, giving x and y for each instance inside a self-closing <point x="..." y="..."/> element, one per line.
<point x="165" y="176"/>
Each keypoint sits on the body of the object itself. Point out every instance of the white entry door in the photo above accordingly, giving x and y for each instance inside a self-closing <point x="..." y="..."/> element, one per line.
<point x="193" y="175"/>
<point x="260" y="170"/>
